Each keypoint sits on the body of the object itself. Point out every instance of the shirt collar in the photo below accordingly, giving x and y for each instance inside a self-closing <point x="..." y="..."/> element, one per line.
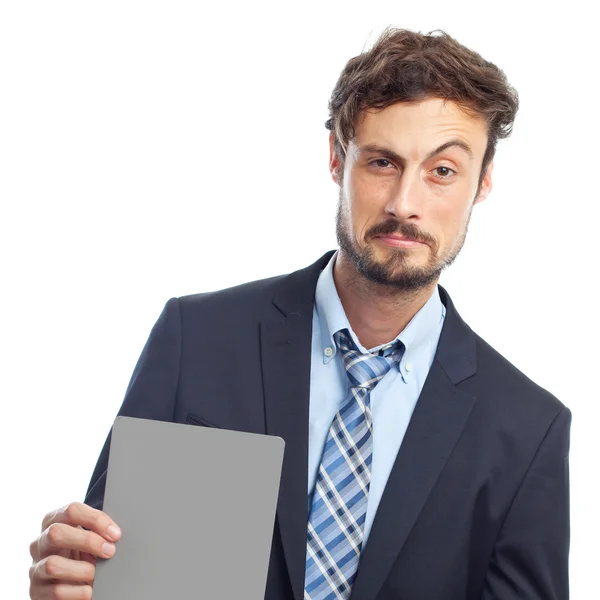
<point x="419" y="332"/>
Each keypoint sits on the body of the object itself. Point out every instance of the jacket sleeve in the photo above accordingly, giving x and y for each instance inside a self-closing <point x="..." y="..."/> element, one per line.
<point x="152" y="391"/>
<point x="531" y="554"/>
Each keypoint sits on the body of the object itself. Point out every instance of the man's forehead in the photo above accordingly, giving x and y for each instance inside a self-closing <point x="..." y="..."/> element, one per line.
<point x="417" y="128"/>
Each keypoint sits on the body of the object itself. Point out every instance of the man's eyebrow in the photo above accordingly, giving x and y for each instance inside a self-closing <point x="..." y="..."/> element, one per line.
<point x="374" y="148"/>
<point x="450" y="144"/>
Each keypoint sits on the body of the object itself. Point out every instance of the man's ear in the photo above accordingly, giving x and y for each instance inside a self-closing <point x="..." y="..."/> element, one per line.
<point x="486" y="184"/>
<point x="335" y="165"/>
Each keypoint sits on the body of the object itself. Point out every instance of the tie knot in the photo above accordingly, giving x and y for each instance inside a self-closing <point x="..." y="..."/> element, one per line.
<point x="364" y="370"/>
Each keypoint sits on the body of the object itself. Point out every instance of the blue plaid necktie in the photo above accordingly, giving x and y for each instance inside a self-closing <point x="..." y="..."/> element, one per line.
<point x="339" y="502"/>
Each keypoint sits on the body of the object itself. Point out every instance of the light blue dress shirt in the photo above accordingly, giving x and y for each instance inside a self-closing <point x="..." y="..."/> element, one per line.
<point x="393" y="399"/>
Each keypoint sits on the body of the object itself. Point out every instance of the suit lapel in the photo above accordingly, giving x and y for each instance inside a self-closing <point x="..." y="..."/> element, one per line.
<point x="286" y="358"/>
<point x="436" y="424"/>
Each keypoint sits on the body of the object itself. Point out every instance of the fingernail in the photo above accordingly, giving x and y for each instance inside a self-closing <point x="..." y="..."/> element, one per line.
<point x="108" y="549"/>
<point x="114" y="533"/>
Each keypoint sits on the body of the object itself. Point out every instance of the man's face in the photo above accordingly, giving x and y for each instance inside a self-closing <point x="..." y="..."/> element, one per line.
<point x="404" y="202"/>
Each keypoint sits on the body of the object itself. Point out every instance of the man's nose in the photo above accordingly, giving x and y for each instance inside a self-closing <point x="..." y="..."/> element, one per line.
<point x="406" y="197"/>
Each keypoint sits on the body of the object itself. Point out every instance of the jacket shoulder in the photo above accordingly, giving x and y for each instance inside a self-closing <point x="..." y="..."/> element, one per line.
<point x="508" y="385"/>
<point x="250" y="300"/>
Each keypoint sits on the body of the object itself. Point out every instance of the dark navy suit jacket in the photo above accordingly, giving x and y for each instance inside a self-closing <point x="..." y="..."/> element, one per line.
<point x="477" y="503"/>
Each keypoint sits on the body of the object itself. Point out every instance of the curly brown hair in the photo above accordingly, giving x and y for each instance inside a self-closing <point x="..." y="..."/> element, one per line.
<point x="405" y="66"/>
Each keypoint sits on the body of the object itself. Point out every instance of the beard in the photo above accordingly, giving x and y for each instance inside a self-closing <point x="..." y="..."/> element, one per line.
<point x="398" y="270"/>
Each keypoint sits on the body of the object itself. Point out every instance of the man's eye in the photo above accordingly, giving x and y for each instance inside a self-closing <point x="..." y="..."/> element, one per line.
<point x="444" y="172"/>
<point x="382" y="163"/>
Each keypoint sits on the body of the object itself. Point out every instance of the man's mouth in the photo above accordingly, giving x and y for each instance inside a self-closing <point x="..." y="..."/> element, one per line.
<point x="399" y="241"/>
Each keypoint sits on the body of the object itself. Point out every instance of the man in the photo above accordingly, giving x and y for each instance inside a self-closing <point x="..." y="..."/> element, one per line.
<point x="419" y="463"/>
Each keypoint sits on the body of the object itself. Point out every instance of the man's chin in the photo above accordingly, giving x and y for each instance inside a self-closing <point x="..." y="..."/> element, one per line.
<point x="403" y="276"/>
<point x="399" y="258"/>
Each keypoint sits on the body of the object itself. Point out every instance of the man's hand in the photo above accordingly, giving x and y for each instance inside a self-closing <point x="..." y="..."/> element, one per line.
<point x="64" y="555"/>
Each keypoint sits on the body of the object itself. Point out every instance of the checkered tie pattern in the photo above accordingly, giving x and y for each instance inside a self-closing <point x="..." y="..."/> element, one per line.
<point x="339" y="502"/>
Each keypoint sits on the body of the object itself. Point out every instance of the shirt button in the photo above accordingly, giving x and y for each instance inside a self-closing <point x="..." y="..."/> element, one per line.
<point x="408" y="367"/>
<point x="328" y="351"/>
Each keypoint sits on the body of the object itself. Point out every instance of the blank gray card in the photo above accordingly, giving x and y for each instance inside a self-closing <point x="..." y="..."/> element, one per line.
<point x="196" y="506"/>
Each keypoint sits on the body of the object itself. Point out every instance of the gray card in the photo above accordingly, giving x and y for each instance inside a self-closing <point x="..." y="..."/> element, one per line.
<point x="196" y="506"/>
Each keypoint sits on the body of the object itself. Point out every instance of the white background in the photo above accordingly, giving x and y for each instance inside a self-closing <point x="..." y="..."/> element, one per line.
<point x="155" y="149"/>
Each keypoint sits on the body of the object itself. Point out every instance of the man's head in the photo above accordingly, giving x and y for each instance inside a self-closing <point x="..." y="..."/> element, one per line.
<point x="414" y="125"/>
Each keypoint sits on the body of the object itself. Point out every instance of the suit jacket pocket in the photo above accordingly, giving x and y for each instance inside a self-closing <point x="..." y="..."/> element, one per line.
<point x="193" y="419"/>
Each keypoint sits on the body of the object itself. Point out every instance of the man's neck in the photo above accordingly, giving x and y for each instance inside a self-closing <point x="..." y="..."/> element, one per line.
<point x="377" y="313"/>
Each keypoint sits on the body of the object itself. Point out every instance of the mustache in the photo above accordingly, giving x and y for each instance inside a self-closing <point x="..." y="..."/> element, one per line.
<point x="407" y="230"/>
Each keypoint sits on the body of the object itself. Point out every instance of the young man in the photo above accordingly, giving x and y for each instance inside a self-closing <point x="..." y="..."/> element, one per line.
<point x="419" y="463"/>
